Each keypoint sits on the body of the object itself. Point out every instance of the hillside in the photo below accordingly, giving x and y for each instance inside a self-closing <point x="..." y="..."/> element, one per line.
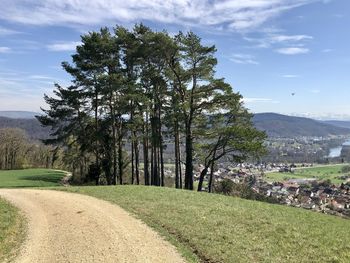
<point x="32" y="127"/>
<point x="225" y="229"/>
<point x="343" y="124"/>
<point x="18" y="114"/>
<point x="278" y="125"/>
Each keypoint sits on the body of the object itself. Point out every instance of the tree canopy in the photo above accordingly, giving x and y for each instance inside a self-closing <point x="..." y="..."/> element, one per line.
<point x="136" y="92"/>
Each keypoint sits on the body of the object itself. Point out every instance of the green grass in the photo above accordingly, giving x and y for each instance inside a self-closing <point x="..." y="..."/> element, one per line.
<point x="226" y="229"/>
<point x="30" y="178"/>
<point x="11" y="231"/>
<point x="330" y="172"/>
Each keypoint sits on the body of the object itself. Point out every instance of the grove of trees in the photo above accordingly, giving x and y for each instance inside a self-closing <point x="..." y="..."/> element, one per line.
<point x="136" y="92"/>
<point x="17" y="151"/>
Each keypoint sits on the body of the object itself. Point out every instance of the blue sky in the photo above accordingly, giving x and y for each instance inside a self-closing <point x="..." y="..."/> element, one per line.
<point x="267" y="49"/>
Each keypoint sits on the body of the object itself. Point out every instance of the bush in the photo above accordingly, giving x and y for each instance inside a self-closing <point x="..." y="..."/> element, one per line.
<point x="326" y="183"/>
<point x="345" y="169"/>
<point x="243" y="190"/>
<point x="225" y="187"/>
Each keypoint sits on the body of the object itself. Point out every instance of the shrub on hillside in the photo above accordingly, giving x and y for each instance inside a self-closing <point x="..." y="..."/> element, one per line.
<point x="242" y="190"/>
<point x="345" y="169"/>
<point x="226" y="187"/>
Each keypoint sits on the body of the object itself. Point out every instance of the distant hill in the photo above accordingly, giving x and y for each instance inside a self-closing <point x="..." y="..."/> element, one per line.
<point x="278" y="125"/>
<point x="18" y="114"/>
<point x="32" y="127"/>
<point x="343" y="124"/>
<point x="275" y="125"/>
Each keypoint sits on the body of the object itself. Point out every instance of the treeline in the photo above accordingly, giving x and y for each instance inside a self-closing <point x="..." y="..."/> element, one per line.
<point x="134" y="92"/>
<point x="17" y="151"/>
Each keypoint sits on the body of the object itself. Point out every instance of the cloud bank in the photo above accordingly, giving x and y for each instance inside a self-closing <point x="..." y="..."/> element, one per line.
<point x="220" y="14"/>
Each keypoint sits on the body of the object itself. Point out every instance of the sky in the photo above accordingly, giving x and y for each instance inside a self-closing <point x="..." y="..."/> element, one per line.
<point x="285" y="56"/>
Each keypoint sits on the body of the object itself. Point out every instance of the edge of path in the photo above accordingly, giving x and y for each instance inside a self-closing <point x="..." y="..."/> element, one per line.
<point x="136" y="220"/>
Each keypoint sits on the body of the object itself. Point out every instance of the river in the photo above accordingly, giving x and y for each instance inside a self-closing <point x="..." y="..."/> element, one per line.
<point x="336" y="151"/>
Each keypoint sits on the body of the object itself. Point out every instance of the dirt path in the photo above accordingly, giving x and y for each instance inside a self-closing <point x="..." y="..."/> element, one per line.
<point x="66" y="227"/>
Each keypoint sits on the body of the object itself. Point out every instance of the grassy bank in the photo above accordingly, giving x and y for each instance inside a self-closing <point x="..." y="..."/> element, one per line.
<point x="30" y="178"/>
<point x="11" y="231"/>
<point x="226" y="229"/>
<point x="331" y="172"/>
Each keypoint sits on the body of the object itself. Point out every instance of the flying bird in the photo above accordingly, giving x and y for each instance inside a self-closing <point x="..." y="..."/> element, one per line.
<point x="293" y="93"/>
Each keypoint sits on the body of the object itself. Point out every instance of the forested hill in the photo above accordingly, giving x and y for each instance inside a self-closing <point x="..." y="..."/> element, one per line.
<point x="343" y="124"/>
<point x="278" y="125"/>
<point x="32" y="127"/>
<point x="18" y="114"/>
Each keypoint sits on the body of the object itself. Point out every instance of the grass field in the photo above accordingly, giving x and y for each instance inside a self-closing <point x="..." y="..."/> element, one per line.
<point x="227" y="229"/>
<point x="30" y="178"/>
<point x="11" y="231"/>
<point x="330" y="172"/>
<point x="204" y="227"/>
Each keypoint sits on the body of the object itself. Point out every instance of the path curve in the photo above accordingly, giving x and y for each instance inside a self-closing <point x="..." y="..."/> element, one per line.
<point x="67" y="227"/>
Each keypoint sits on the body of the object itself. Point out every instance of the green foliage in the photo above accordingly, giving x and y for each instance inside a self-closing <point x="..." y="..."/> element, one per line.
<point x="127" y="86"/>
<point x="225" y="187"/>
<point x="219" y="228"/>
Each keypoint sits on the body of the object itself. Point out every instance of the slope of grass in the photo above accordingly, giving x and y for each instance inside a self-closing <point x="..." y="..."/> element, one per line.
<point x="330" y="172"/>
<point x="11" y="231"/>
<point x="226" y="229"/>
<point x="30" y="178"/>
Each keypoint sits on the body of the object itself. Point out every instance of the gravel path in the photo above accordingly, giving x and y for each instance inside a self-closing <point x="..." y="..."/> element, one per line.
<point x="66" y="227"/>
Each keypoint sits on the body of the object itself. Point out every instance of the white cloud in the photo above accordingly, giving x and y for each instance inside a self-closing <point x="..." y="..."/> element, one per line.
<point x="5" y="31"/>
<point x="22" y="91"/>
<point x="244" y="59"/>
<point x="5" y="50"/>
<point x="249" y="100"/>
<point x="315" y="91"/>
<point x="63" y="46"/>
<point x="259" y="100"/>
<point x="292" y="50"/>
<point x="229" y="14"/>
<point x="327" y="50"/>
<point x="272" y="39"/>
<point x="290" y="76"/>
<point x="41" y="77"/>
<point x="289" y="38"/>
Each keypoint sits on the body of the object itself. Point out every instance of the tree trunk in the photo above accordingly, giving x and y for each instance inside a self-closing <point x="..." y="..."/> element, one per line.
<point x="189" y="160"/>
<point x="120" y="151"/>
<point x="201" y="178"/>
<point x="132" y="160"/>
<point x="210" y="183"/>
<point x="137" y="159"/>
<point x="96" y="132"/>
<point x="132" y="144"/>
<point x="145" y="151"/>
<point x="114" y="147"/>
<point x="152" y="164"/>
<point x="160" y="138"/>
<point x="177" y="159"/>
<point x="180" y="168"/>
